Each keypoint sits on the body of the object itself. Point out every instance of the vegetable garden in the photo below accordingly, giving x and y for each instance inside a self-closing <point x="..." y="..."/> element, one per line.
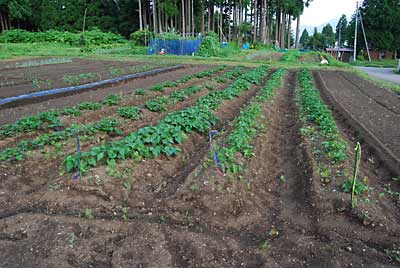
<point x="204" y="166"/>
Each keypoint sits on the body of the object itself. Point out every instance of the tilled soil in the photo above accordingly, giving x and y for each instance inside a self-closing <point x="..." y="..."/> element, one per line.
<point x="11" y="114"/>
<point x="18" y="81"/>
<point x="273" y="56"/>
<point x="160" y="235"/>
<point x="310" y="58"/>
<point x="377" y="110"/>
<point x="181" y="213"/>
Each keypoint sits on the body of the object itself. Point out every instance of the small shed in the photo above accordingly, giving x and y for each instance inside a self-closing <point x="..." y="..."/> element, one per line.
<point x="381" y="55"/>
<point x="342" y="54"/>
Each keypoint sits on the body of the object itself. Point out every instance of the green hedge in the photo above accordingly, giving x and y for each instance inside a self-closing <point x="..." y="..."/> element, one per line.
<point x="94" y="37"/>
<point x="209" y="47"/>
<point x="141" y="38"/>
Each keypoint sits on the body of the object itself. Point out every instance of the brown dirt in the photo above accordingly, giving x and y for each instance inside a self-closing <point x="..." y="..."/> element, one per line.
<point x="18" y="172"/>
<point x="373" y="111"/>
<point x="182" y="214"/>
<point x="310" y="58"/>
<point x="11" y="114"/>
<point x="146" y="116"/>
<point x="175" y="241"/>
<point x="19" y="81"/>
<point x="273" y="56"/>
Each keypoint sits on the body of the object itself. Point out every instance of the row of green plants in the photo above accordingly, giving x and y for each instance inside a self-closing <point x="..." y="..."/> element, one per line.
<point x="162" y="103"/>
<point x="231" y="74"/>
<point x="77" y="79"/>
<point x="50" y="119"/>
<point x="318" y="119"/>
<point x="246" y="126"/>
<point x="128" y="112"/>
<point x="291" y="56"/>
<point x="243" y="83"/>
<point x="168" y="84"/>
<point x="41" y="62"/>
<point x="151" y="141"/>
<point x="106" y="125"/>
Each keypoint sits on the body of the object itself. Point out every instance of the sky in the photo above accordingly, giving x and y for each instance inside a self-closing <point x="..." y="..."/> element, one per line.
<point x="323" y="11"/>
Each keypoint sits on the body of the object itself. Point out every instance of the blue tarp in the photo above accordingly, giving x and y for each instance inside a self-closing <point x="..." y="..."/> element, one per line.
<point x="176" y="47"/>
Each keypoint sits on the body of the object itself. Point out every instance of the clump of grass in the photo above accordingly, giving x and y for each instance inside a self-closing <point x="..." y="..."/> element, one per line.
<point x="140" y="92"/>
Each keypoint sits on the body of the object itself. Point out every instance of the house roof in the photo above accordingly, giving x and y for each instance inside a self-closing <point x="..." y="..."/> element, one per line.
<point x="336" y="49"/>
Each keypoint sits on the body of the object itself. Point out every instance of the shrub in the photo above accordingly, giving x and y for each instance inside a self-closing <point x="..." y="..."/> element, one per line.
<point x="141" y="38"/>
<point x="169" y="36"/>
<point x="211" y="34"/>
<point x="94" y="37"/>
<point x="209" y="47"/>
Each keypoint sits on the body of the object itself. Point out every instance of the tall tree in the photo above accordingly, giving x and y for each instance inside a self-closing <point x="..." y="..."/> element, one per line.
<point x="329" y="35"/>
<point x="381" y="21"/>
<point x="305" y="39"/>
<point x="140" y="16"/>
<point x="154" y="10"/>
<point x="255" y="21"/>
<point x="341" y="29"/>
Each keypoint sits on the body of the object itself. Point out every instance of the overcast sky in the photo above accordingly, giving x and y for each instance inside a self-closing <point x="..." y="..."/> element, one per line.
<point x="322" y="11"/>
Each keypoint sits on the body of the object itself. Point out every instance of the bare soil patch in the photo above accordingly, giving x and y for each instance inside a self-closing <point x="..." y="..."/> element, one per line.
<point x="20" y="81"/>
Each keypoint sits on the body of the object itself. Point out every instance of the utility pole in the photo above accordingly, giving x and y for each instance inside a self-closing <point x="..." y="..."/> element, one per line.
<point x="365" y="37"/>
<point x="340" y="36"/>
<point x="355" y="36"/>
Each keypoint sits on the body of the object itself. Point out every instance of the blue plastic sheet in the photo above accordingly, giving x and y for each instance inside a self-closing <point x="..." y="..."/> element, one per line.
<point x="176" y="47"/>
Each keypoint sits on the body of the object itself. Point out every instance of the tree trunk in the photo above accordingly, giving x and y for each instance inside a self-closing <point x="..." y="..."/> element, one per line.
<point x="255" y="22"/>
<point x="266" y="21"/>
<point x="298" y="32"/>
<point x="192" y="9"/>
<point x="165" y="17"/>
<point x="188" y="16"/>
<point x="277" y="23"/>
<point x="229" y="23"/>
<point x="183" y="18"/>
<point x="145" y="16"/>
<point x="212" y="17"/>
<point x="283" y="30"/>
<point x="263" y="21"/>
<point x="235" y="21"/>
<point x="208" y="17"/>
<point x="2" y="22"/>
<point x="288" y="35"/>
<point x="202" y="17"/>
<point x="160" y="29"/>
<point x="140" y="16"/>
<point x="271" y="27"/>
<point x="155" y="17"/>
